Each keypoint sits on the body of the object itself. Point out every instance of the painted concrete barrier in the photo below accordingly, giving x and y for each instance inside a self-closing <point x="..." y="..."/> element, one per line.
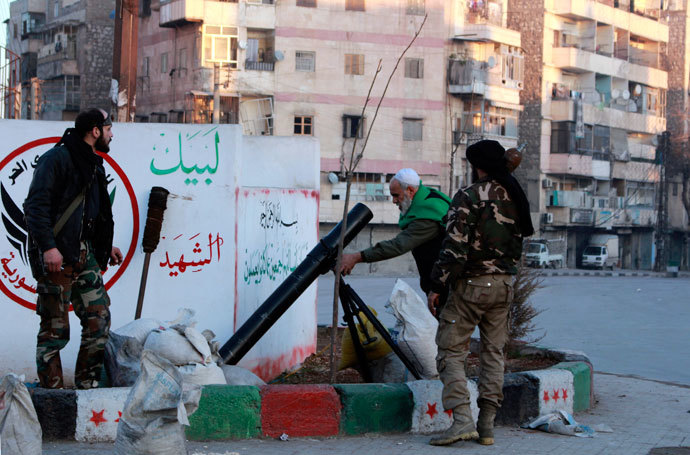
<point x="241" y="412"/>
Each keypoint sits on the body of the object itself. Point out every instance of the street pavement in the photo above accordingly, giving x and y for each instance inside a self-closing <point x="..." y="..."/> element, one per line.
<point x="625" y="325"/>
<point x="643" y="415"/>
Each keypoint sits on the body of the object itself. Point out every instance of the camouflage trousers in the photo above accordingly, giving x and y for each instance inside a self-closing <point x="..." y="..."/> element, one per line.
<point x="82" y="286"/>
<point x="482" y="301"/>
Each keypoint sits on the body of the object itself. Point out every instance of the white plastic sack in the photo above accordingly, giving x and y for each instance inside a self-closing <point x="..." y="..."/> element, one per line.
<point x="202" y="374"/>
<point x="156" y="409"/>
<point x="20" y="430"/>
<point x="417" y="328"/>
<point x="235" y="375"/>
<point x="138" y="329"/>
<point x="200" y="343"/>
<point x="123" y="359"/>
<point x="170" y="345"/>
<point x="388" y="369"/>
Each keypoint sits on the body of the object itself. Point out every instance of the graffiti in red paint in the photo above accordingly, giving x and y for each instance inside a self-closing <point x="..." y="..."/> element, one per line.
<point x="97" y="417"/>
<point x="431" y="410"/>
<point x="197" y="264"/>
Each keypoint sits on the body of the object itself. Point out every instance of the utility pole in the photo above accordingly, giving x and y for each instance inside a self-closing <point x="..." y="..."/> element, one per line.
<point x="662" y="203"/>
<point x="125" y="57"/>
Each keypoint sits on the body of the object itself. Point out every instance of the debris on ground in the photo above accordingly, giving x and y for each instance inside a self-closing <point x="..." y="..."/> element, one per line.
<point x="561" y="422"/>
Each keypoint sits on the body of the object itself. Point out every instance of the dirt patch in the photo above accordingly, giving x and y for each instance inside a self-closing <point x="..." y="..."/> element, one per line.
<point x="315" y="369"/>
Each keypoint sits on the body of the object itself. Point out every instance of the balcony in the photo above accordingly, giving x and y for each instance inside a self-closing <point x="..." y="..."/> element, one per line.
<point x="635" y="217"/>
<point x="259" y="14"/>
<point x="570" y="164"/>
<point x="566" y="216"/>
<point x="637" y="171"/>
<point x="178" y="12"/>
<point x="650" y="123"/>
<point x="644" y="18"/>
<point x="258" y="66"/>
<point x="487" y="33"/>
<point x="56" y="60"/>
<point x="583" y="61"/>
<point x="468" y="77"/>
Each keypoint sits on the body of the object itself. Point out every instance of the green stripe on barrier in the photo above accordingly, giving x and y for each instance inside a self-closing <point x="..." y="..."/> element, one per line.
<point x="375" y="408"/>
<point x="226" y="412"/>
<point x="582" y="383"/>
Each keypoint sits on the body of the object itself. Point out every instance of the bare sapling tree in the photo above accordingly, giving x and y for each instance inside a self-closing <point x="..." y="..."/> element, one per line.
<point x="355" y="158"/>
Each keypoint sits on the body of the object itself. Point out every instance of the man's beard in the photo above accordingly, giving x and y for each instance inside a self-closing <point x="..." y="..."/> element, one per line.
<point x="102" y="145"/>
<point x="405" y="204"/>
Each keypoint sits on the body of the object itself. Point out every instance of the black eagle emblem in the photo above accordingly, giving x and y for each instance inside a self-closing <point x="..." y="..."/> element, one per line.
<point x="13" y="219"/>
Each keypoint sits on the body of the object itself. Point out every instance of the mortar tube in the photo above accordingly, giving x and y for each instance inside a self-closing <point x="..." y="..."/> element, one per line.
<point x="319" y="261"/>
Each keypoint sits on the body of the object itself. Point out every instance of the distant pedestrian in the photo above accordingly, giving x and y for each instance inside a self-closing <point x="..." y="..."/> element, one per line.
<point x="486" y="224"/>
<point x="70" y="225"/>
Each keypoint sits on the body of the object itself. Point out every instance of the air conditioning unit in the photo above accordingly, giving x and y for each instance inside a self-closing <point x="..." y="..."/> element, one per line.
<point x="547" y="218"/>
<point x="547" y="183"/>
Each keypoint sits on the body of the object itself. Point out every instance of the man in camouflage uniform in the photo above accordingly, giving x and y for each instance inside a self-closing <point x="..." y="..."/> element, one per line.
<point x="70" y="225"/>
<point x="479" y="256"/>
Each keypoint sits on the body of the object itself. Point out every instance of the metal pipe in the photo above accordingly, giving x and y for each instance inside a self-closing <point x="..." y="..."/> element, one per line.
<point x="320" y="260"/>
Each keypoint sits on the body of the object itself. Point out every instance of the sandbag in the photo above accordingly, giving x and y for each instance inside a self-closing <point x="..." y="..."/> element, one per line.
<point x="138" y="329"/>
<point x="374" y="350"/>
<point x="156" y="409"/>
<point x="122" y="359"/>
<point x="20" y="430"/>
<point x="388" y="368"/>
<point x="200" y="343"/>
<point x="202" y="374"/>
<point x="417" y="328"/>
<point x="171" y="345"/>
<point x="235" y="375"/>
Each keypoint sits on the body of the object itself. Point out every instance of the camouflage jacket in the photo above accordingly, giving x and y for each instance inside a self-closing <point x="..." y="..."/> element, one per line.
<point x="482" y="235"/>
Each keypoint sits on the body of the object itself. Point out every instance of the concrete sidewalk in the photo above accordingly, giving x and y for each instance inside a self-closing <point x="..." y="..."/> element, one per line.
<point x="644" y="415"/>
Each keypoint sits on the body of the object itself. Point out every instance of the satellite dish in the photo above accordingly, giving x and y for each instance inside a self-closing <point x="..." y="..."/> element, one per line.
<point x="637" y="91"/>
<point x="615" y="93"/>
<point x="279" y="55"/>
<point x="333" y="178"/>
<point x="242" y="44"/>
<point x="626" y="95"/>
<point x="491" y="62"/>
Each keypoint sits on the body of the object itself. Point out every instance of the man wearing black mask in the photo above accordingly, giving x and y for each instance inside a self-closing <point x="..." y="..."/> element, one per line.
<point x="483" y="245"/>
<point x="70" y="224"/>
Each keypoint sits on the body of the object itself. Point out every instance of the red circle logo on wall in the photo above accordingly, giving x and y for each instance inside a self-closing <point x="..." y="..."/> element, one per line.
<point x="16" y="171"/>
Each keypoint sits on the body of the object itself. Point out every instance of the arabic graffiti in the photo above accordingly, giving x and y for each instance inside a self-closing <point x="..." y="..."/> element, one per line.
<point x="19" y="168"/>
<point x="13" y="277"/>
<point x="273" y="261"/>
<point x="197" y="264"/>
<point x="190" y="143"/>
<point x="271" y="216"/>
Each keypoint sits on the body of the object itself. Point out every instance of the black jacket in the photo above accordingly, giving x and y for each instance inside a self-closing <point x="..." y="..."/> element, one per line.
<point x="56" y="182"/>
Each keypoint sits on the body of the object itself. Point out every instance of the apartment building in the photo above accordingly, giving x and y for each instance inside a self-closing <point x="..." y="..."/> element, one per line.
<point x="595" y="100"/>
<point x="65" y="49"/>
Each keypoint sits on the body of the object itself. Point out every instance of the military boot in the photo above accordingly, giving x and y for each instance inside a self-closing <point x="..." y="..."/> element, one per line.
<point x="462" y="429"/>
<point x="485" y="425"/>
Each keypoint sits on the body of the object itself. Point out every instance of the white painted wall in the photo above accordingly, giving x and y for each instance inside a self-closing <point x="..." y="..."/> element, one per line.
<point x="220" y="183"/>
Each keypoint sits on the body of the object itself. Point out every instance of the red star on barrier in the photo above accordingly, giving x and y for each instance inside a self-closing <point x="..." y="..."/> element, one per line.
<point x="431" y="410"/>
<point x="97" y="417"/>
<point x="555" y="395"/>
<point x="565" y="394"/>
<point x="119" y="414"/>
<point x="546" y="396"/>
<point x="449" y="412"/>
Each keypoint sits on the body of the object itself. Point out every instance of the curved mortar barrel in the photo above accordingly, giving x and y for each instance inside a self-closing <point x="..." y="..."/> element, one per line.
<point x="319" y="261"/>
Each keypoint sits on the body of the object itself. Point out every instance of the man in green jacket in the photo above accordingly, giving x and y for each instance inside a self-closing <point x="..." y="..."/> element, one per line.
<point x="422" y="210"/>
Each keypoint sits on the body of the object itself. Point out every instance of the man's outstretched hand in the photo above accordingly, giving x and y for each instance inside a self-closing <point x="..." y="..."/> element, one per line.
<point x="349" y="262"/>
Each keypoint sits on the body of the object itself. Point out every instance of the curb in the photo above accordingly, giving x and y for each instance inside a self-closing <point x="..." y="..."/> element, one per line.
<point x="242" y="412"/>
<point x="602" y="273"/>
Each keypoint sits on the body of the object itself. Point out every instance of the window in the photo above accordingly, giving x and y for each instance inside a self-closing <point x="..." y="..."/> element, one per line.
<point x="72" y="93"/>
<point x="414" y="68"/>
<point x="145" y="67"/>
<point x="512" y="65"/>
<point x="220" y="45"/>
<point x="304" y="125"/>
<point x="56" y="9"/>
<point x="182" y="58"/>
<point x="415" y="7"/>
<point x="675" y="188"/>
<point x="164" y="62"/>
<point x="562" y="137"/>
<point x="354" y="5"/>
<point x="14" y="28"/>
<point x="412" y="129"/>
<point x="305" y="61"/>
<point x="308" y="3"/>
<point x="351" y="126"/>
<point x="159" y="117"/>
<point x="354" y="64"/>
